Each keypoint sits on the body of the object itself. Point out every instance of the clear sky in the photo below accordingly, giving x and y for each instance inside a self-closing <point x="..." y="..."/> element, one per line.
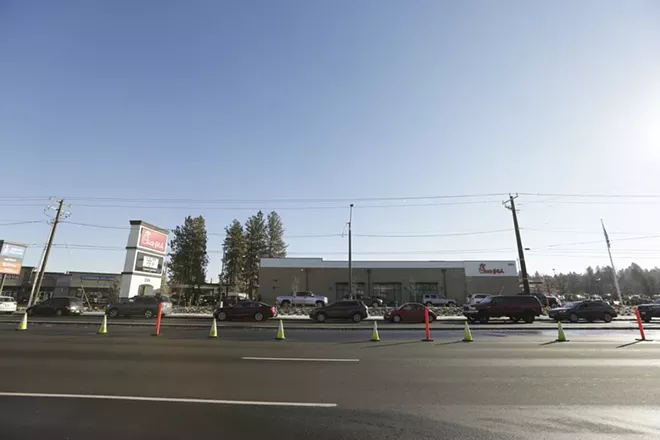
<point x="290" y="105"/>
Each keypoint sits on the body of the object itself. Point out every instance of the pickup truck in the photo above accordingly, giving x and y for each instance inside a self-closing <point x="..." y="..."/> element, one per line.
<point x="649" y="311"/>
<point x="301" y="299"/>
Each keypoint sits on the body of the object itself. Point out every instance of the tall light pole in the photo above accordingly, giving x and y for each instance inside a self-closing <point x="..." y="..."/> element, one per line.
<point x="350" y="253"/>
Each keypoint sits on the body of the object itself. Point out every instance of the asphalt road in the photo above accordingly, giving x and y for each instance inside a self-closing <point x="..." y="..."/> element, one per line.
<point x="73" y="384"/>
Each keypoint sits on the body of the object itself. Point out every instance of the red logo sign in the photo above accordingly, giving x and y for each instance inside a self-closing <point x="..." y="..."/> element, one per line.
<point x="154" y="240"/>
<point x="483" y="270"/>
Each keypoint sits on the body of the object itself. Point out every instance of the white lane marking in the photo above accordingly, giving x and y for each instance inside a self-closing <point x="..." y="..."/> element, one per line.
<point x="168" y="399"/>
<point x="252" y="358"/>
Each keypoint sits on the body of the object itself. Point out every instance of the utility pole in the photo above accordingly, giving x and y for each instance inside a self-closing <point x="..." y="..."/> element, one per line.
<point x="609" y="251"/>
<point x="521" y="252"/>
<point x="2" y="283"/>
<point x="350" y="253"/>
<point x="37" y="284"/>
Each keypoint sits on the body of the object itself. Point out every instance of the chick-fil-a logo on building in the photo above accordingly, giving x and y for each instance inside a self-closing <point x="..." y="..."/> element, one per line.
<point x="490" y="271"/>
<point x="154" y="240"/>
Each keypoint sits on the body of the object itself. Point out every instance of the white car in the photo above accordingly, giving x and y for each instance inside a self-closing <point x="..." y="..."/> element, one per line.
<point x="430" y="300"/>
<point x="477" y="298"/>
<point x="7" y="304"/>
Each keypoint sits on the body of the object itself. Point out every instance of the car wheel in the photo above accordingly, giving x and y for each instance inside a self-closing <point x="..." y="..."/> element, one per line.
<point x="375" y="304"/>
<point x="113" y="313"/>
<point x="321" y="317"/>
<point x="286" y="304"/>
<point x="148" y="314"/>
<point x="429" y="304"/>
<point x="515" y="319"/>
<point x="431" y="318"/>
<point x="529" y="318"/>
<point x="647" y="320"/>
<point x="357" y="318"/>
<point x="30" y="312"/>
<point x="573" y="317"/>
<point x="607" y="317"/>
<point x="59" y="312"/>
<point x="396" y="318"/>
<point x="483" y="318"/>
<point x="472" y="319"/>
<point x="222" y="316"/>
<point x="259" y="316"/>
<point x="319" y="304"/>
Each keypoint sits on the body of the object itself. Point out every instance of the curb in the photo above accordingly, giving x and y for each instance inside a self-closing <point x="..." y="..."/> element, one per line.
<point x="494" y="328"/>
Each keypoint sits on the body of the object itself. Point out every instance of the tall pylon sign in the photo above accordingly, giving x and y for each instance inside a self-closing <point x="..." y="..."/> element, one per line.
<point x="145" y="255"/>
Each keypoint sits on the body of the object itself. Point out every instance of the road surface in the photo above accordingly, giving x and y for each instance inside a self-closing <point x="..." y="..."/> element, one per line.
<point x="64" y="382"/>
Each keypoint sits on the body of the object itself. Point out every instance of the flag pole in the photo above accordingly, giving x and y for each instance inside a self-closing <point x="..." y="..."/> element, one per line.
<point x="609" y="251"/>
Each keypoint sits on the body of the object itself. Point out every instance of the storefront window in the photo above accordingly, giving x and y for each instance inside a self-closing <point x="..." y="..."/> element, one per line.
<point x="388" y="291"/>
<point x="422" y="289"/>
<point x="342" y="289"/>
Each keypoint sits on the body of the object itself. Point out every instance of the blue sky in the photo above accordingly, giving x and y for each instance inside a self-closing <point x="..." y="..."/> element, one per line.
<point x="262" y="102"/>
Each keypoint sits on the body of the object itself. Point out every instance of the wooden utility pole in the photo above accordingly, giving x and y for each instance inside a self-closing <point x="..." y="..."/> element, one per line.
<point x="521" y="252"/>
<point x="40" y="276"/>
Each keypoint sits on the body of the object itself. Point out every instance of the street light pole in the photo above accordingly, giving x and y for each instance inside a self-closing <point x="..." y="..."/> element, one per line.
<point x="350" y="253"/>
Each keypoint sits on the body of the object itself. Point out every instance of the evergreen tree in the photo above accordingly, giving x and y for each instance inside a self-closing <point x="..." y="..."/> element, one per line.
<point x="256" y="248"/>
<point x="188" y="256"/>
<point x="276" y="248"/>
<point x="233" y="256"/>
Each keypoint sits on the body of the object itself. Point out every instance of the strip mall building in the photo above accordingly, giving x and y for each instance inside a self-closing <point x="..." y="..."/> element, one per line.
<point x="398" y="281"/>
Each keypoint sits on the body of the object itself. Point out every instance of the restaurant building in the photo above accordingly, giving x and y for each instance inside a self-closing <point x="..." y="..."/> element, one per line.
<point x="395" y="281"/>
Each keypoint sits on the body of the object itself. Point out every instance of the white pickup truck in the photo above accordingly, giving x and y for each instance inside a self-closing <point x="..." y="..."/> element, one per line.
<point x="301" y="299"/>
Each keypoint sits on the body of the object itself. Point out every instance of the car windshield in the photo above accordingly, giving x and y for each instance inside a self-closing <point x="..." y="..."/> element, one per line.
<point x="572" y="305"/>
<point x="486" y="300"/>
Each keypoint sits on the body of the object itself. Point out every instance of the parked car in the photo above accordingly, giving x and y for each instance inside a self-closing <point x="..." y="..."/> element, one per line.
<point x="649" y="311"/>
<point x="409" y="312"/>
<point x="345" y="309"/>
<point x="438" y="300"/>
<point x="545" y="300"/>
<point x="368" y="300"/>
<point x="66" y="305"/>
<point x="476" y="298"/>
<point x="245" y="309"/>
<point x="589" y="310"/>
<point x="7" y="304"/>
<point x="516" y="307"/>
<point x="146" y="306"/>
<point x="303" y="298"/>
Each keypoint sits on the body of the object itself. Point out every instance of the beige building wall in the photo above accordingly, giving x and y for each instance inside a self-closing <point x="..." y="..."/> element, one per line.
<point x="408" y="283"/>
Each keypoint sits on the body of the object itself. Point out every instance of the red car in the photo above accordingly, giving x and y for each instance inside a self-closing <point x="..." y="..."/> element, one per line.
<point x="409" y="312"/>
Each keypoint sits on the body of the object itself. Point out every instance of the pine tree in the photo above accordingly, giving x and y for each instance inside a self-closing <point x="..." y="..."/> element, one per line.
<point x="188" y="256"/>
<point x="233" y="256"/>
<point x="276" y="248"/>
<point x="256" y="248"/>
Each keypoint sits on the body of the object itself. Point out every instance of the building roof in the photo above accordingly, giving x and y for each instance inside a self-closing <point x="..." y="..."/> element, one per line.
<point x="319" y="263"/>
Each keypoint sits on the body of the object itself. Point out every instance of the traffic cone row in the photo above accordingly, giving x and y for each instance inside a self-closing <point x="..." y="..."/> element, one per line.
<point x="561" y="337"/>
<point x="374" y="334"/>
<point x="467" y="334"/>
<point x="280" y="332"/>
<point x="214" y="330"/>
<point x="103" y="329"/>
<point x="23" y="325"/>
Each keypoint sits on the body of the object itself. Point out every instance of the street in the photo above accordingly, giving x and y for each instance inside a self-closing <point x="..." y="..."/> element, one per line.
<point x="73" y="384"/>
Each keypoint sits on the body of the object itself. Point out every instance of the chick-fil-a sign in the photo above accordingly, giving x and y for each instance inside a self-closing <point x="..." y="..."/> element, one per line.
<point x="152" y="240"/>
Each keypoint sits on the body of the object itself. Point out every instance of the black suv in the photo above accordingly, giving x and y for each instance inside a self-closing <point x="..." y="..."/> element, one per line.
<point x="67" y="305"/>
<point x="517" y="307"/>
<point x="354" y="310"/>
